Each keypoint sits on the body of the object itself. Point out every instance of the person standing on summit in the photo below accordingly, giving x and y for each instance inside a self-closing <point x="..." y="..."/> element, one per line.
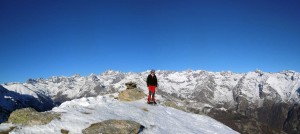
<point x="151" y="84"/>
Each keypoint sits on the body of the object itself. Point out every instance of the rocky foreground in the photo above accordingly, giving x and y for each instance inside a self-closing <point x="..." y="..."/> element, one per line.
<point x="104" y="114"/>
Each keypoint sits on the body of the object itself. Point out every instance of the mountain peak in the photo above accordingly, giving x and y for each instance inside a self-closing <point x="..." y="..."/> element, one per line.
<point x="79" y="114"/>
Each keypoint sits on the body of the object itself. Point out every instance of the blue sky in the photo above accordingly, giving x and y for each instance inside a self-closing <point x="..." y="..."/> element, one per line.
<point x="54" y="37"/>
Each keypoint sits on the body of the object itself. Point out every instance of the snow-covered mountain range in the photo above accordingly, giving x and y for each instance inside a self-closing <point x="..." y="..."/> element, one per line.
<point x="224" y="86"/>
<point x="196" y="90"/>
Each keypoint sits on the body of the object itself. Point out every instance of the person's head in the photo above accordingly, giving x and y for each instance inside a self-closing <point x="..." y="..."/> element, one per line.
<point x="152" y="71"/>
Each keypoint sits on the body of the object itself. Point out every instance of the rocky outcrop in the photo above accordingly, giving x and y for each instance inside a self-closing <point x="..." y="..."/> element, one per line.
<point x="131" y="93"/>
<point x="10" y="101"/>
<point x="114" y="127"/>
<point x="63" y="131"/>
<point x="173" y="105"/>
<point x="29" y="116"/>
<point x="130" y="85"/>
<point x="7" y="129"/>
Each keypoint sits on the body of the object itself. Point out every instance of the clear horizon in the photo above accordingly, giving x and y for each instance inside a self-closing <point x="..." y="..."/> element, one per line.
<point x="40" y="39"/>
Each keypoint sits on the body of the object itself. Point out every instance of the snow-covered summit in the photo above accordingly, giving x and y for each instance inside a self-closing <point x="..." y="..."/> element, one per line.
<point x="79" y="114"/>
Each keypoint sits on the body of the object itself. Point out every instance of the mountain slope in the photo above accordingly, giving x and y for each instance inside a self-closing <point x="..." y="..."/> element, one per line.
<point x="78" y="114"/>
<point x="22" y="97"/>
